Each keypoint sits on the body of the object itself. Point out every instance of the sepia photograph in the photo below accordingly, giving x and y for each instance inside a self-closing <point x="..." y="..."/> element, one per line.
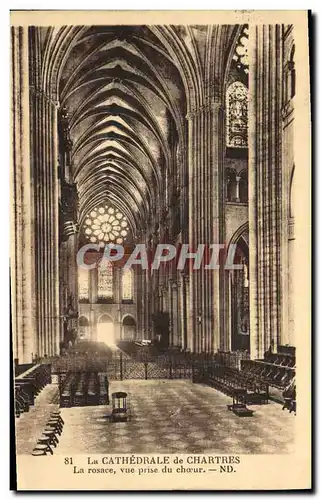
<point x="160" y="197"/>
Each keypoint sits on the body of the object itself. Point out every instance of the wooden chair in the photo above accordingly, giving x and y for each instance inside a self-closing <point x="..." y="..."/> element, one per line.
<point x="289" y="395"/>
<point x="51" y="429"/>
<point x="56" y="425"/>
<point x="56" y="414"/>
<point x="239" y="407"/>
<point x="45" y="440"/>
<point x="50" y="434"/>
<point x="40" y="449"/>
<point x="65" y="399"/>
<point x="293" y="406"/>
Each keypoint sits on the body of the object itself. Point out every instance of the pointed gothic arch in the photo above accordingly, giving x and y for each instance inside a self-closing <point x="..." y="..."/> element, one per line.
<point x="237" y="284"/>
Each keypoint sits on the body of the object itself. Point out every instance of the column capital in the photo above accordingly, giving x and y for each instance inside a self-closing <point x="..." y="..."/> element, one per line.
<point x="185" y="278"/>
<point x="198" y="111"/>
<point x="40" y="93"/>
<point x="211" y="106"/>
<point x="174" y="285"/>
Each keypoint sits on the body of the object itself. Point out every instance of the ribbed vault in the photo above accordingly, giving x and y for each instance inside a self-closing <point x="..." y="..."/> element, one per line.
<point x="126" y="101"/>
<point x="127" y="90"/>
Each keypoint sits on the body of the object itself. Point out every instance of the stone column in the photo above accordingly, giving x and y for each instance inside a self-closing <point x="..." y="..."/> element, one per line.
<point x="216" y="194"/>
<point x="237" y="188"/>
<point x="174" y="314"/>
<point x="228" y="308"/>
<point x="183" y="309"/>
<point x="94" y="285"/>
<point x="179" y="312"/>
<point x="182" y="165"/>
<point x="265" y="170"/>
<point x="141" y="299"/>
<point x="170" y="311"/>
<point x="189" y="323"/>
<point x="148" y="296"/>
<point x="289" y="202"/>
<point x="22" y="264"/>
<point x="192" y="231"/>
<point x="45" y="153"/>
<point x="138" y="294"/>
<point x="52" y="218"/>
<point x="205" y="215"/>
<point x="42" y="156"/>
<point x="194" y="165"/>
<point x="118" y="300"/>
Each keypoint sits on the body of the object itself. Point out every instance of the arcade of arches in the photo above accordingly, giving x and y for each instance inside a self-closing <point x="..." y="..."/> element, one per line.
<point x="142" y="134"/>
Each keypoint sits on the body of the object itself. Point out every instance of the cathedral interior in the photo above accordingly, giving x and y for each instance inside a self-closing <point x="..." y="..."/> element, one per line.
<point x="149" y="135"/>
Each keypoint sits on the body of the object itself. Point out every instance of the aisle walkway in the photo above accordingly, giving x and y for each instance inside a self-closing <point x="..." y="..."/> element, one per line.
<point x="30" y="425"/>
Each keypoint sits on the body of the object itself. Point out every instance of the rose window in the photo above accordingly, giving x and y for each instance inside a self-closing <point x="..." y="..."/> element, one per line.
<point x="106" y="224"/>
<point x="241" y="51"/>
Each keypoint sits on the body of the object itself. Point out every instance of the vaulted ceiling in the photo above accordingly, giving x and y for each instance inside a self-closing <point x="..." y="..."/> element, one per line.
<point x="125" y="99"/>
<point x="125" y="89"/>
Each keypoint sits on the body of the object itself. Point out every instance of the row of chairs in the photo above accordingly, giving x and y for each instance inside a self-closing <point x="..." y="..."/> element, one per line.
<point x="278" y="376"/>
<point x="228" y="380"/>
<point x="257" y="391"/>
<point x="278" y="371"/>
<point x="29" y="386"/>
<point x="84" y="356"/>
<point x="280" y="359"/>
<point x="103" y="389"/>
<point x="81" y="390"/>
<point x="84" y="389"/>
<point x="22" y="402"/>
<point x="49" y="437"/>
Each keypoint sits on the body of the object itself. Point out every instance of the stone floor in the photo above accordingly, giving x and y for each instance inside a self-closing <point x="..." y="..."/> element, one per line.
<point x="176" y="416"/>
<point x="167" y="416"/>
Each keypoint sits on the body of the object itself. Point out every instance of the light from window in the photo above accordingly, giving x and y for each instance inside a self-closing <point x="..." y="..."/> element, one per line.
<point x="83" y="284"/>
<point x="127" y="284"/>
<point x="236" y="115"/>
<point x="105" y="280"/>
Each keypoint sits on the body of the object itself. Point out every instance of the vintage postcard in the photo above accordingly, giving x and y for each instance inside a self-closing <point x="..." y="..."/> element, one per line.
<point x="160" y="251"/>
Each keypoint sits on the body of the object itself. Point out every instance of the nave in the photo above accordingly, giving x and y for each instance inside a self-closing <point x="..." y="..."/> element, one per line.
<point x="141" y="136"/>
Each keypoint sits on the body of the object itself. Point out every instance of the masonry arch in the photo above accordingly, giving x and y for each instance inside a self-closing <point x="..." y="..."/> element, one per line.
<point x="106" y="330"/>
<point x="237" y="292"/>
<point x="128" y="327"/>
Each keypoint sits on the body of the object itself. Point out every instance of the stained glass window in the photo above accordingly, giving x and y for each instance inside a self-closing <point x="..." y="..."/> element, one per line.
<point x="106" y="224"/>
<point x="240" y="56"/>
<point x="83" y="284"/>
<point x="237" y="115"/>
<point x="127" y="284"/>
<point x="105" y="280"/>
